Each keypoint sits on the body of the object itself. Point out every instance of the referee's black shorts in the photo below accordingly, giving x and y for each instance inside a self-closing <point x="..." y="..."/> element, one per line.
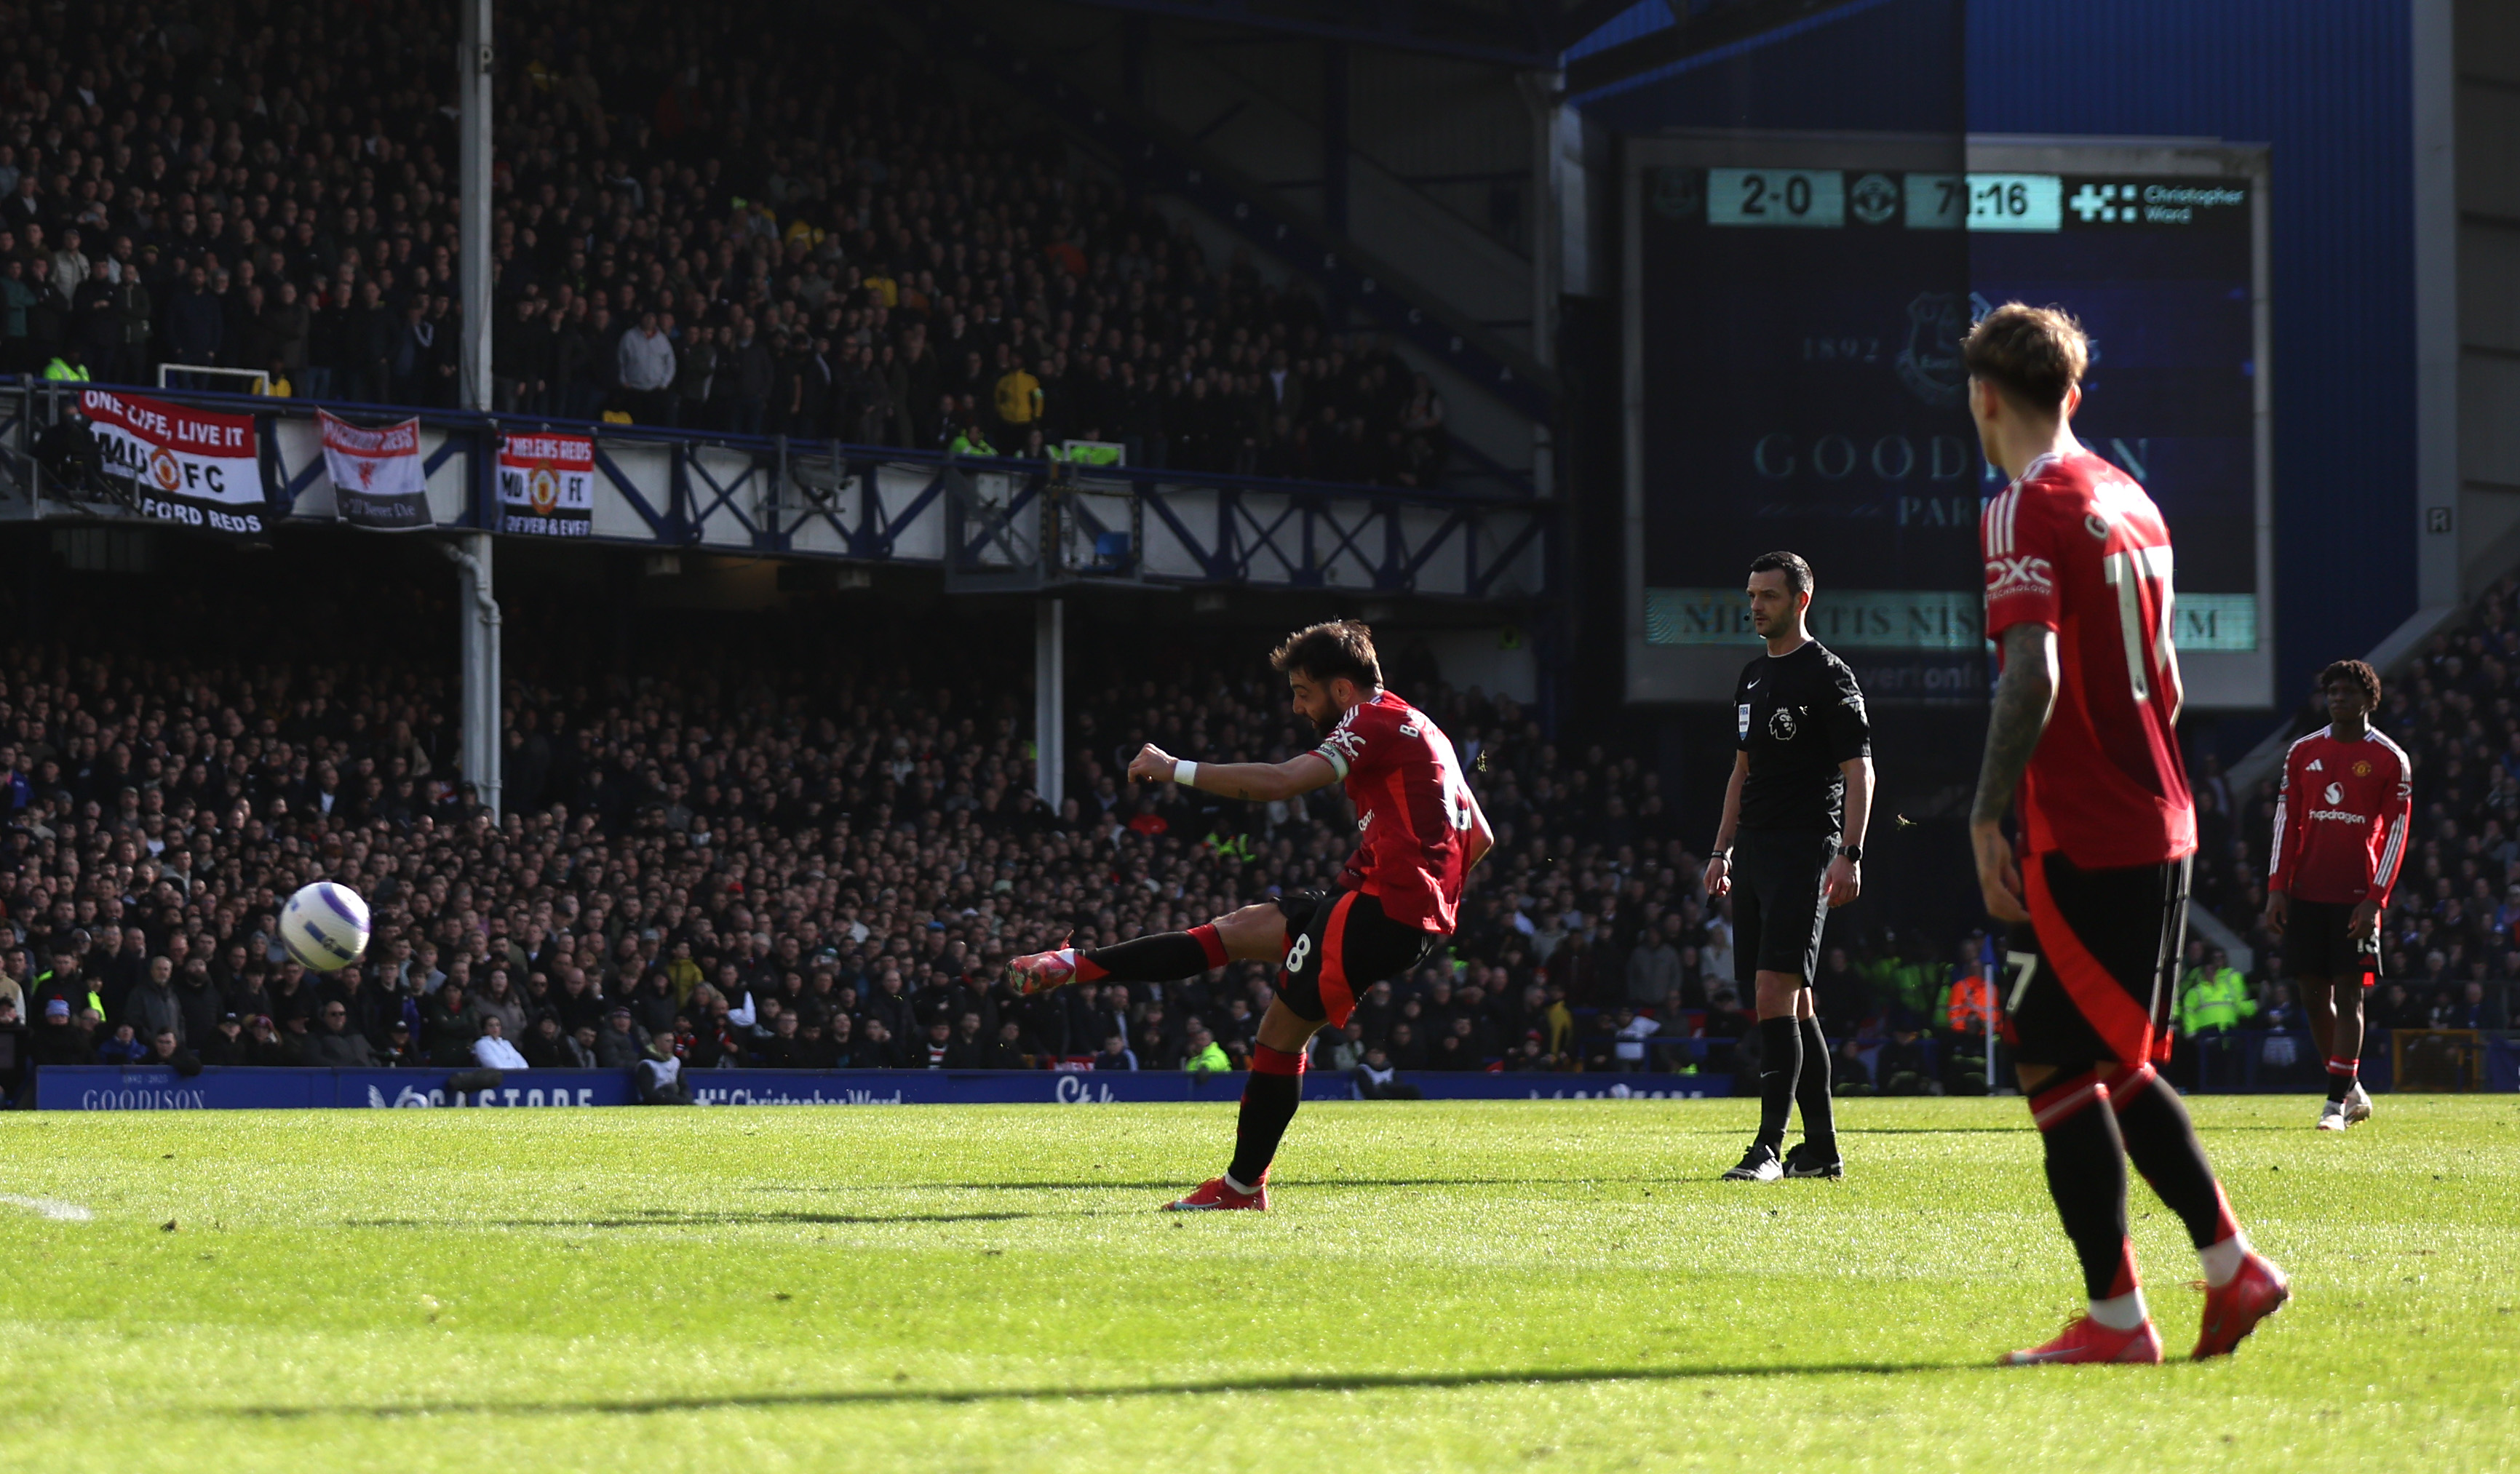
<point x="1778" y="904"/>
<point x="2318" y="942"/>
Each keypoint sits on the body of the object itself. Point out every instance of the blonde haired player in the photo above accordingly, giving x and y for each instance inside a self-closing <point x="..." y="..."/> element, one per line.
<point x="2081" y="738"/>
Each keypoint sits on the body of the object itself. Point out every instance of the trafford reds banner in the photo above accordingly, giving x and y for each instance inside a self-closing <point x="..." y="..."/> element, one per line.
<point x="377" y="474"/>
<point x="188" y="468"/>
<point x="547" y="485"/>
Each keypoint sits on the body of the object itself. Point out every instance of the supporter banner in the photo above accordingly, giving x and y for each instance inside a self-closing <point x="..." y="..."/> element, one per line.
<point x="188" y="468"/>
<point x="377" y="475"/>
<point x="547" y="485"/>
<point x="225" y="1087"/>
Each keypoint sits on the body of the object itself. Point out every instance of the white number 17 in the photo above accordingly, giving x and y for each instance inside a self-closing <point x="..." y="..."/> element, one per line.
<point x="2142" y="578"/>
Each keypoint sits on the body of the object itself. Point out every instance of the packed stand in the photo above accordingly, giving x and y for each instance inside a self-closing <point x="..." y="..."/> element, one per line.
<point x="789" y="839"/>
<point x="2450" y="938"/>
<point x="808" y="839"/>
<point x="747" y="218"/>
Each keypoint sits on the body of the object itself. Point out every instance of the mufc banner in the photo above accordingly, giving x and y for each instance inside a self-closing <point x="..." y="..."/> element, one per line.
<point x="188" y="468"/>
<point x="377" y="474"/>
<point x="547" y="485"/>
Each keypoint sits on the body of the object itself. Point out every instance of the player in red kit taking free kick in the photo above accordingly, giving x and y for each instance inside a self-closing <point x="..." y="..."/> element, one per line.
<point x="2081" y="738"/>
<point x="1397" y="898"/>
<point x="2340" y="837"/>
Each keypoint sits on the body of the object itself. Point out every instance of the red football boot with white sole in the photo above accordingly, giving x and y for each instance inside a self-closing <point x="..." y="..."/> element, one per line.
<point x="1041" y="972"/>
<point x="1217" y="1193"/>
<point x="2088" y="1340"/>
<point x="2233" y="1310"/>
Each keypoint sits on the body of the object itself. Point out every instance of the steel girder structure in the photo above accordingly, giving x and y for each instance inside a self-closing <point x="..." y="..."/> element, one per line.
<point x="985" y="524"/>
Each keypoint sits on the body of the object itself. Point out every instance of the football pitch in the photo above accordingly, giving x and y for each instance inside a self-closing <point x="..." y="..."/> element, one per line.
<point x="1440" y="1285"/>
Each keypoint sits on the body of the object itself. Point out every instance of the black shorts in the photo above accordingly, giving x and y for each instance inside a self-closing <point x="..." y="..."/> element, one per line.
<point x="2318" y="942"/>
<point x="2090" y="981"/>
<point x="1778" y="904"/>
<point x="1338" y="944"/>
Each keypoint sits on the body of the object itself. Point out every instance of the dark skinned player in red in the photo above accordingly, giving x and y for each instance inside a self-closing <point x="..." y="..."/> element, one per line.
<point x="1396" y="901"/>
<point x="2340" y="836"/>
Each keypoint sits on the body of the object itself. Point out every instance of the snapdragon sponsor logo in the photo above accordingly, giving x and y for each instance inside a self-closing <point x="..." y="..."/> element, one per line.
<point x="414" y="1098"/>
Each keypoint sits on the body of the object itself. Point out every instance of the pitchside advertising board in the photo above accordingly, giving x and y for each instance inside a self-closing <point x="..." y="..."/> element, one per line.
<point x="228" y="1088"/>
<point x="1793" y="382"/>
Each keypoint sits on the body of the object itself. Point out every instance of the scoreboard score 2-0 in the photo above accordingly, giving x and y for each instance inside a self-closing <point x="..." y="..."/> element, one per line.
<point x="1794" y="306"/>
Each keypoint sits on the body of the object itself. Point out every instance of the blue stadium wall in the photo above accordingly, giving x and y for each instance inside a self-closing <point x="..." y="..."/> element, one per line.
<point x="2324" y="82"/>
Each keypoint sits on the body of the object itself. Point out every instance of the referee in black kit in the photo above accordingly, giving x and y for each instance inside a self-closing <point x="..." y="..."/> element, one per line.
<point x="1801" y="779"/>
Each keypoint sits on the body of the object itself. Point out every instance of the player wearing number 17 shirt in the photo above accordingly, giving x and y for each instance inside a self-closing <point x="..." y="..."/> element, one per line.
<point x="1396" y="899"/>
<point x="2082" y="740"/>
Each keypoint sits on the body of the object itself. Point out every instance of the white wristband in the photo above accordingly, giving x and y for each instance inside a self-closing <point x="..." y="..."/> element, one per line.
<point x="1186" y="773"/>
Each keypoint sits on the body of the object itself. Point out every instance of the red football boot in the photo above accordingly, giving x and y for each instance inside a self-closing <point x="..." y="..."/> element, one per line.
<point x="1042" y="972"/>
<point x="2258" y="1291"/>
<point x="2088" y="1340"/>
<point x="1216" y="1194"/>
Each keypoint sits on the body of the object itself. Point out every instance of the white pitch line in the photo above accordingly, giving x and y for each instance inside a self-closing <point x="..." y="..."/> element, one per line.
<point x="49" y="1207"/>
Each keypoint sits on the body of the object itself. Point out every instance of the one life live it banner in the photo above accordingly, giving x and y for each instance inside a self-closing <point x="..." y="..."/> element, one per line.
<point x="88" y="1087"/>
<point x="377" y="480"/>
<point x="547" y="485"/>
<point x="188" y="468"/>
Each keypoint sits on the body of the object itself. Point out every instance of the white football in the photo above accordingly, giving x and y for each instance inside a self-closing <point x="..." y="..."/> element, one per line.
<point x="325" y="927"/>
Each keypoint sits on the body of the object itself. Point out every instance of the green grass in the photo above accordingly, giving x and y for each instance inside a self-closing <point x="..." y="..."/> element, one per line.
<point x="1497" y="1285"/>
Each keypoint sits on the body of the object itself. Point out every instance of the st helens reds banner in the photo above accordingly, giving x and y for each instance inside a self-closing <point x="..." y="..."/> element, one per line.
<point x="188" y="468"/>
<point x="377" y="474"/>
<point x="547" y="485"/>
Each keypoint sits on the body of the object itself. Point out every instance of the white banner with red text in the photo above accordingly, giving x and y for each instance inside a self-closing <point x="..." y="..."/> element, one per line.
<point x="377" y="477"/>
<point x="547" y="485"/>
<point x="188" y="468"/>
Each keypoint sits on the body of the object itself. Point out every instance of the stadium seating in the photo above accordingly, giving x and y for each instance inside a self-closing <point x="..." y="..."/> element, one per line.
<point x="2452" y="919"/>
<point x="835" y="243"/>
<point x="710" y="819"/>
<point x="735" y="815"/>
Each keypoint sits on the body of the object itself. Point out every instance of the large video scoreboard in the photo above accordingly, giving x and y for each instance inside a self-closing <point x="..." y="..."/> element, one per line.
<point x="1793" y="382"/>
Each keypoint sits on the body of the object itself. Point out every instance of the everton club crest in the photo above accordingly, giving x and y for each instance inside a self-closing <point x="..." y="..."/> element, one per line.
<point x="1930" y="363"/>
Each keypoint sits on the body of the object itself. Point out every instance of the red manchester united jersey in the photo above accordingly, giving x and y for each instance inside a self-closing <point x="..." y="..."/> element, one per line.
<point x="1420" y="825"/>
<point x="2076" y="545"/>
<point x="2341" y="819"/>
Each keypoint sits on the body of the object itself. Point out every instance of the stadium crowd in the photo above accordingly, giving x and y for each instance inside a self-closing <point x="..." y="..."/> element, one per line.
<point x="2450" y="938"/>
<point x="716" y="216"/>
<point x="779" y="841"/>
<point x="810" y="840"/>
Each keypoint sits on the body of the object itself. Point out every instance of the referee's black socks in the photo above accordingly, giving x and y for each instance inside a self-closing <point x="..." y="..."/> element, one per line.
<point x="1810" y="1092"/>
<point x="1781" y="1066"/>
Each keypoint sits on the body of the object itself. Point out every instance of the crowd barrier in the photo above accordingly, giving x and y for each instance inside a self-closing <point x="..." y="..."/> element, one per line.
<point x="244" y="1087"/>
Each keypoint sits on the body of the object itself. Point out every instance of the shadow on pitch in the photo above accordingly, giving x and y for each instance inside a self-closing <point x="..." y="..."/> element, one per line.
<point x="940" y="1397"/>
<point x="665" y="1220"/>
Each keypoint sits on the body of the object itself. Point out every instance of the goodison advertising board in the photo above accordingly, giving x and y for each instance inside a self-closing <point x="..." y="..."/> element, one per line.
<point x="230" y="1087"/>
<point x="1793" y="381"/>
